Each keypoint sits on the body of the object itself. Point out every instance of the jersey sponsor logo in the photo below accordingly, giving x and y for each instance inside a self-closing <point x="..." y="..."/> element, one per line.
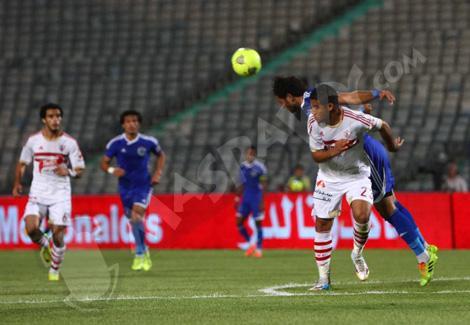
<point x="141" y="151"/>
<point x="48" y="160"/>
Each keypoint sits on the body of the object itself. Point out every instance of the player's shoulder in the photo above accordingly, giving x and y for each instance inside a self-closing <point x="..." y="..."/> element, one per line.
<point x="69" y="141"/>
<point x="34" y="136"/>
<point x="260" y="165"/>
<point x="149" y="138"/>
<point x="115" y="140"/>
<point x="355" y="116"/>
<point x="67" y="137"/>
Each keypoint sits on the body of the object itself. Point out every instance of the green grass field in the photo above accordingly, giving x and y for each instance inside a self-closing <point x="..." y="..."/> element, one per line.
<point x="225" y="287"/>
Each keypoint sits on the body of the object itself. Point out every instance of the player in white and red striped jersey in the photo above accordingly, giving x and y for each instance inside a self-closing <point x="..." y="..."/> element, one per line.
<point x="334" y="135"/>
<point x="56" y="157"/>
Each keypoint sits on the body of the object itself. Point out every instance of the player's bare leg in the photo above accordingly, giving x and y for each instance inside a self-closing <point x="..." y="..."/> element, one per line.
<point x="38" y="237"/>
<point x="361" y="213"/>
<point x="323" y="248"/>
<point x="142" y="259"/>
<point x="57" y="252"/>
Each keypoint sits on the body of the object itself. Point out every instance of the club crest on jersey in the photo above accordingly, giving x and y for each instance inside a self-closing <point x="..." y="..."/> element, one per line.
<point x="61" y="147"/>
<point x="141" y="151"/>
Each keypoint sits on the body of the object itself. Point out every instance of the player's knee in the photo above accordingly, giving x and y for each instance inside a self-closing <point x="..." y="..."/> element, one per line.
<point x="34" y="233"/>
<point x="362" y="217"/>
<point x="136" y="217"/>
<point x="58" y="236"/>
<point x="323" y="225"/>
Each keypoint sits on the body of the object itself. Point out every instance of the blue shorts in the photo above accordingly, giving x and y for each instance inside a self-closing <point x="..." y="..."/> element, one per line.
<point x="250" y="205"/>
<point x="135" y="196"/>
<point x="381" y="174"/>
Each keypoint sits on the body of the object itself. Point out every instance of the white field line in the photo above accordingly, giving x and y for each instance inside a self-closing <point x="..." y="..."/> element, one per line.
<point x="278" y="290"/>
<point x="274" y="291"/>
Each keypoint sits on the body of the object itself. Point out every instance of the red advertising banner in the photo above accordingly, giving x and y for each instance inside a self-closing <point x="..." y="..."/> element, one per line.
<point x="193" y="221"/>
<point x="461" y="213"/>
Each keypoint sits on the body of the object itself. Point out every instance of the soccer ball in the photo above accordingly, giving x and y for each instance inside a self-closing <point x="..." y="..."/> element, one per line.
<point x="246" y="62"/>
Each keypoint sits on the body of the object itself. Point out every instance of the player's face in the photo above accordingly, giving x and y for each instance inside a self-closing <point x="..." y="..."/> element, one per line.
<point x="299" y="172"/>
<point x="250" y="155"/>
<point x="319" y="111"/>
<point x="53" y="119"/>
<point x="290" y="103"/>
<point x="131" y="124"/>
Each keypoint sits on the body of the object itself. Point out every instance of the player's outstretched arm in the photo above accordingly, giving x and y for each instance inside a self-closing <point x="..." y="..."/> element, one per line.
<point x="19" y="172"/>
<point x="393" y="144"/>
<point x="323" y="155"/>
<point x="105" y="166"/>
<point x="365" y="96"/>
<point x="160" y="163"/>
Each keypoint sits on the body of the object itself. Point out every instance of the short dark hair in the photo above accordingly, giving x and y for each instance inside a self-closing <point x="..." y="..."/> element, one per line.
<point x="251" y="148"/>
<point x="326" y="94"/>
<point x="44" y="108"/>
<point x="299" y="166"/>
<point x="288" y="85"/>
<point x="130" y="112"/>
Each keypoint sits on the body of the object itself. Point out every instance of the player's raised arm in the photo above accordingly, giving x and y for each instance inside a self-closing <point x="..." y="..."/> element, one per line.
<point x="364" y="96"/>
<point x="392" y="144"/>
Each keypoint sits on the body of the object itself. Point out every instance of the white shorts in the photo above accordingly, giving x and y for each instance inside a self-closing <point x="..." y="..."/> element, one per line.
<point x="328" y="196"/>
<point x="58" y="214"/>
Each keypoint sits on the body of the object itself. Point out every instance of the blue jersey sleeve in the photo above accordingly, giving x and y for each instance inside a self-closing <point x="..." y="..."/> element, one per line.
<point x="155" y="148"/>
<point x="111" y="149"/>
<point x="154" y="145"/>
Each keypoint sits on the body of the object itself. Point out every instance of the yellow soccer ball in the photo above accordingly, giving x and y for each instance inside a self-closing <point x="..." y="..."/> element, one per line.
<point x="246" y="62"/>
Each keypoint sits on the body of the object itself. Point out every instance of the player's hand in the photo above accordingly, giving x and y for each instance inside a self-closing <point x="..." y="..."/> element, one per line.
<point x="398" y="143"/>
<point x="17" y="189"/>
<point x="387" y="94"/>
<point x="119" y="172"/>
<point x="156" y="178"/>
<point x="340" y="146"/>
<point x="61" y="170"/>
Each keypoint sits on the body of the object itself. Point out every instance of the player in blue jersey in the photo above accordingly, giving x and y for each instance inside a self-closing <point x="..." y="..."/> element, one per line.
<point x="253" y="177"/>
<point x="294" y="95"/>
<point x="392" y="210"/>
<point x="132" y="151"/>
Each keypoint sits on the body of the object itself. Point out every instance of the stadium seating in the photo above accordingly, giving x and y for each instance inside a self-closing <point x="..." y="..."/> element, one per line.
<point x="98" y="58"/>
<point x="424" y="53"/>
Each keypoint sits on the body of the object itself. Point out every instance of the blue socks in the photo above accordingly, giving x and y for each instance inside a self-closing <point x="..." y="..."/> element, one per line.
<point x="259" y="239"/>
<point x="138" y="230"/>
<point x="408" y="215"/>
<point x="407" y="231"/>
<point x="242" y="230"/>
